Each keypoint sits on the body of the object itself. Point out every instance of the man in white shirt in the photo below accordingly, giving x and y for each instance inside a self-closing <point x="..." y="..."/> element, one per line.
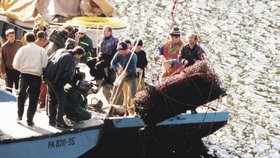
<point x="29" y="61"/>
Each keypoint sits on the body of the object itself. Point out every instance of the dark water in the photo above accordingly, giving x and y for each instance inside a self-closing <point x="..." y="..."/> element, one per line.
<point x="242" y="41"/>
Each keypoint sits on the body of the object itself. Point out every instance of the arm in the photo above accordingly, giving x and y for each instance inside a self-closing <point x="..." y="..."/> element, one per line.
<point x="16" y="61"/>
<point x="160" y="54"/>
<point x="3" y="58"/>
<point x="114" y="62"/>
<point x="183" y="56"/>
<point x="131" y="69"/>
<point x="44" y="58"/>
<point x="201" y="53"/>
<point x="68" y="69"/>
<point x="145" y="62"/>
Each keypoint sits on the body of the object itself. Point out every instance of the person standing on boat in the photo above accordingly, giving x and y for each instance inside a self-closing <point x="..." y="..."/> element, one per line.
<point x="124" y="62"/>
<point x="59" y="72"/>
<point x="142" y="63"/>
<point x="84" y="41"/>
<point x="129" y="44"/>
<point x="42" y="41"/>
<point x="192" y="51"/>
<point x="8" y="52"/>
<point x="170" y="50"/>
<point x="30" y="61"/>
<point x="126" y="99"/>
<point x="108" y="48"/>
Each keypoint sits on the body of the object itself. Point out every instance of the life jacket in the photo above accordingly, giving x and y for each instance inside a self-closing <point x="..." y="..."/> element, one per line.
<point x="170" y="52"/>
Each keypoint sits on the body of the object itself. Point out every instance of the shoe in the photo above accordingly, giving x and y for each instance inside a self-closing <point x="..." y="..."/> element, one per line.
<point x="19" y="119"/>
<point x="30" y="123"/>
<point x="52" y="124"/>
<point x="62" y="125"/>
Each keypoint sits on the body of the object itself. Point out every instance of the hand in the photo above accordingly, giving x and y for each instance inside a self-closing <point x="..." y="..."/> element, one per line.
<point x="4" y="76"/>
<point x="100" y="64"/>
<point x="167" y="65"/>
<point x="139" y="70"/>
<point x="119" y="70"/>
<point x="185" y="62"/>
<point x="148" y="67"/>
<point x="157" y="57"/>
<point x="90" y="91"/>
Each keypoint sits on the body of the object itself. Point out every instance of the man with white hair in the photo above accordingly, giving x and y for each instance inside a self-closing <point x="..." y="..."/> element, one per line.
<point x="84" y="41"/>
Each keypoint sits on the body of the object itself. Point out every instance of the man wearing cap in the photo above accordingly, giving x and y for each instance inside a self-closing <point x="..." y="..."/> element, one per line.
<point x="170" y="50"/>
<point x="8" y="52"/>
<point x="124" y="62"/>
<point x="84" y="41"/>
<point x="141" y="66"/>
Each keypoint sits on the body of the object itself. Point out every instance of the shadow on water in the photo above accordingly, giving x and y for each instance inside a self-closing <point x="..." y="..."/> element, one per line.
<point x="127" y="150"/>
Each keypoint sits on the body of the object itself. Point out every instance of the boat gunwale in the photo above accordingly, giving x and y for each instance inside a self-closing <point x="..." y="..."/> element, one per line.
<point x="57" y="134"/>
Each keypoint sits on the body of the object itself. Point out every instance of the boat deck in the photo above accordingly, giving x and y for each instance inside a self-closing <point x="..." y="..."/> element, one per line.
<point x="11" y="129"/>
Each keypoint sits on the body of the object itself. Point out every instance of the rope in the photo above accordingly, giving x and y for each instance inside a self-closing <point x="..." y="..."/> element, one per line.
<point x="97" y="40"/>
<point x="173" y="13"/>
<point x="141" y="33"/>
<point x="189" y="13"/>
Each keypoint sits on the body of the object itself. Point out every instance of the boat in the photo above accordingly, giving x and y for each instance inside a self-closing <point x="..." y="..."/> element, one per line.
<point x="19" y="15"/>
<point x="17" y="139"/>
<point x="177" y="134"/>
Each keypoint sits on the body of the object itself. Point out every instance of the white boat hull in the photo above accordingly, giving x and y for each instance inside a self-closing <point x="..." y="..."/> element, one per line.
<point x="70" y="145"/>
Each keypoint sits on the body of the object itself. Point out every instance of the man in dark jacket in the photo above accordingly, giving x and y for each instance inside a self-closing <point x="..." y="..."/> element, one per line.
<point x="76" y="98"/>
<point x="108" y="48"/>
<point x="59" y="71"/>
<point x="84" y="41"/>
<point x="191" y="52"/>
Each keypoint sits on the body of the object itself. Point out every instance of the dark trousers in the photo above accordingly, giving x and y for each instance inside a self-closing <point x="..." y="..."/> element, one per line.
<point x="12" y="78"/>
<point x="29" y="86"/>
<point x="56" y="102"/>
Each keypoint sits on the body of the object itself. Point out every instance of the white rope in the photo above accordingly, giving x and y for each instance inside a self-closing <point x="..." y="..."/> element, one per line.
<point x="122" y="75"/>
<point x="97" y="39"/>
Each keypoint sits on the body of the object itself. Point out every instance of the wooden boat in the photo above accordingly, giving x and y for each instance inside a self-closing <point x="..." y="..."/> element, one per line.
<point x="17" y="139"/>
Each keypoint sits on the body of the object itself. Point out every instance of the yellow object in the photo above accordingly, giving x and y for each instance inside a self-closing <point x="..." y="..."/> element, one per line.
<point x="96" y="22"/>
<point x="19" y="9"/>
<point x="41" y="22"/>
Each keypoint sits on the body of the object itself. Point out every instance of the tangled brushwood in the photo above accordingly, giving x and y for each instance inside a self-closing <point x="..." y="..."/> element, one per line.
<point x="195" y="86"/>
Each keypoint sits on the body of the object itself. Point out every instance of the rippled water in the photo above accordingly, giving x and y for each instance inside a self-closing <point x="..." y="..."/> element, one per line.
<point x="242" y="41"/>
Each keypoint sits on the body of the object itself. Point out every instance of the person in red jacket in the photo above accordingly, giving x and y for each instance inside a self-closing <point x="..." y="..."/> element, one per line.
<point x="170" y="50"/>
<point x="8" y="52"/>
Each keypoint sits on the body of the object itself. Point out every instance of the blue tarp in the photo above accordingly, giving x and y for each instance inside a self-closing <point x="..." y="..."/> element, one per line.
<point x="7" y="96"/>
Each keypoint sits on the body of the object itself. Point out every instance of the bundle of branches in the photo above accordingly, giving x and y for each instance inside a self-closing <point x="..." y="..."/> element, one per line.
<point x="195" y="86"/>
